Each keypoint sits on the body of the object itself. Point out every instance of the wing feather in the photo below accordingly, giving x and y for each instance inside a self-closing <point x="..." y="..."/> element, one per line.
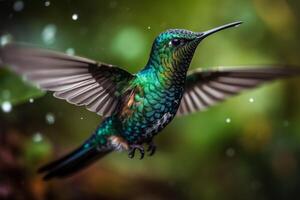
<point x="78" y="80"/>
<point x="205" y="88"/>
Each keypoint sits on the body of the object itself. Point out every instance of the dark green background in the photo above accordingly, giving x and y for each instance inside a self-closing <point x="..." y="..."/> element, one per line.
<point x="255" y="156"/>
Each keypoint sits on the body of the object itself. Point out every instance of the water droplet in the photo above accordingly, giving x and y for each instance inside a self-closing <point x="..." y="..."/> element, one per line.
<point x="149" y="27"/>
<point x="75" y="17"/>
<point x="38" y="137"/>
<point x="18" y="6"/>
<point x="49" y="33"/>
<point x="5" y="39"/>
<point x="230" y="152"/>
<point x="31" y="100"/>
<point x="251" y="100"/>
<point x="50" y="118"/>
<point x="70" y="51"/>
<point x="47" y="3"/>
<point x="6" y="106"/>
<point x="81" y="118"/>
<point x="228" y="120"/>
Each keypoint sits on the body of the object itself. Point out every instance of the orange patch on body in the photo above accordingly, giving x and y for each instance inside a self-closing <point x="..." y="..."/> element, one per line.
<point x="127" y="108"/>
<point x="118" y="142"/>
<point x="127" y="111"/>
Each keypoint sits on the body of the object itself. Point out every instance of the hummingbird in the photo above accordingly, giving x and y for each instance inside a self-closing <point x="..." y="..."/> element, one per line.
<point x="134" y="107"/>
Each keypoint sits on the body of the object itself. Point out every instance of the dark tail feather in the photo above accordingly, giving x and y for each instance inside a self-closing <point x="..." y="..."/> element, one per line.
<point x="72" y="162"/>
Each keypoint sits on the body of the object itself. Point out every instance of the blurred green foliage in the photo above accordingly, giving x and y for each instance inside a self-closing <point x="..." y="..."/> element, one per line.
<point x="13" y="89"/>
<point x="241" y="149"/>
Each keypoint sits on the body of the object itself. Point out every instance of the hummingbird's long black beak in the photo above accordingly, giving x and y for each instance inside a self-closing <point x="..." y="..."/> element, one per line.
<point x="203" y="35"/>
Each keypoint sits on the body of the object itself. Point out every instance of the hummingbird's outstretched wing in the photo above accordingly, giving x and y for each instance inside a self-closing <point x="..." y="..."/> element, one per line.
<point x="78" y="80"/>
<point x="205" y="88"/>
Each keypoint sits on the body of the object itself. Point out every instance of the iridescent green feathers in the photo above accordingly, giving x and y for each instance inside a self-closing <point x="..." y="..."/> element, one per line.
<point x="173" y="48"/>
<point x="100" y="87"/>
<point x="138" y="106"/>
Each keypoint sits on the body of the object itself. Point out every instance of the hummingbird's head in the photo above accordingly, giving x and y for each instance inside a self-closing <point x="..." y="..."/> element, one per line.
<point x="177" y="46"/>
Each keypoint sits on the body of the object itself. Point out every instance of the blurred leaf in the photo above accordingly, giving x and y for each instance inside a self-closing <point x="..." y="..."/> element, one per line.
<point x="35" y="150"/>
<point x="14" y="90"/>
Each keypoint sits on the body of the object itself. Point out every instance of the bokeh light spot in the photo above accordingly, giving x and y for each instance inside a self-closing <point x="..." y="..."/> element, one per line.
<point x="129" y="43"/>
<point x="70" y="51"/>
<point x="6" y="106"/>
<point x="75" y="16"/>
<point x="5" y="39"/>
<point x="38" y="137"/>
<point x="50" y="118"/>
<point x="228" y="120"/>
<point x="49" y="33"/>
<point x="47" y="3"/>
<point x="18" y="6"/>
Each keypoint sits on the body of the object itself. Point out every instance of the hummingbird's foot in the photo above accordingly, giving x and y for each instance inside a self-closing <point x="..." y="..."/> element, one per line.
<point x="151" y="148"/>
<point x="134" y="147"/>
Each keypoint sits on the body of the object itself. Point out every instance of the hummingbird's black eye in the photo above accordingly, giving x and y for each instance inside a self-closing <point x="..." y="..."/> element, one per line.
<point x="175" y="42"/>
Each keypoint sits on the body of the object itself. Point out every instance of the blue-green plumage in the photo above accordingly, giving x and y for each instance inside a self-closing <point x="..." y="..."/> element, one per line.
<point x="135" y="106"/>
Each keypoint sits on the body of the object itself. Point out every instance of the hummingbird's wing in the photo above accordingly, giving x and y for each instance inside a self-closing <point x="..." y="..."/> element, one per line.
<point x="205" y="88"/>
<point x="78" y="80"/>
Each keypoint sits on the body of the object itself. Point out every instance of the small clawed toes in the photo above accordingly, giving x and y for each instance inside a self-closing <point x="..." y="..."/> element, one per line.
<point x="151" y="149"/>
<point x="131" y="153"/>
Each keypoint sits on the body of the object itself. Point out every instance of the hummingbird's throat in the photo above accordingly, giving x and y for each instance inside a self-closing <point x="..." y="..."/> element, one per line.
<point x="172" y="71"/>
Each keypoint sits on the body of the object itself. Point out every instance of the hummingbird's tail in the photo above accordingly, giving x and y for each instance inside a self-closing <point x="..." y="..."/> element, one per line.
<point x="96" y="147"/>
<point x="74" y="161"/>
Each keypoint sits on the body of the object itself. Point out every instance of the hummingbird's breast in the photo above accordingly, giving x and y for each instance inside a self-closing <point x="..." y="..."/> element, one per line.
<point x="149" y="107"/>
